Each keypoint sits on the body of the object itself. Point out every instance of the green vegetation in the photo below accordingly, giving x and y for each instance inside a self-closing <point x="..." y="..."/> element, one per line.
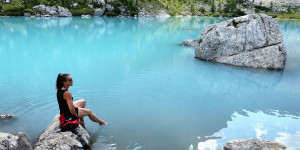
<point x="289" y="16"/>
<point x="215" y="8"/>
<point x="79" y="12"/>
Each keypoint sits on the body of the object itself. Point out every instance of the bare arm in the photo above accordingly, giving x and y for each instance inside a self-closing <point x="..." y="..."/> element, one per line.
<point x="68" y="97"/>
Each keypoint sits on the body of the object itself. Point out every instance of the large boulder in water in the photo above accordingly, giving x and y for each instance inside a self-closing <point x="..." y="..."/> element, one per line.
<point x="253" y="144"/>
<point x="14" y="142"/>
<point x="53" y="138"/>
<point x="250" y="41"/>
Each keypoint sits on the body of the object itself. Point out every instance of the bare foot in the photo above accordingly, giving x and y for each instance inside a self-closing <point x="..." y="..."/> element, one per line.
<point x="102" y="123"/>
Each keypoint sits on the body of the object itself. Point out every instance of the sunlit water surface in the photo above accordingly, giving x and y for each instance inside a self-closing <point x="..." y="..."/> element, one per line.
<point x="153" y="93"/>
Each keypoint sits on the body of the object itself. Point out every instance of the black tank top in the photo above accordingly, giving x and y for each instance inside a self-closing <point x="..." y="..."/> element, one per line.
<point x="63" y="105"/>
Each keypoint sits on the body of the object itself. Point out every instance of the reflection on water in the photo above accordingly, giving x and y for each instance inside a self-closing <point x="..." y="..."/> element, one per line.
<point x="153" y="93"/>
<point x="256" y="125"/>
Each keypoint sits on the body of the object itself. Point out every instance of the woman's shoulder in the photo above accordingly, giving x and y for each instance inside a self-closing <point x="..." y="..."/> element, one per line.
<point x="67" y="93"/>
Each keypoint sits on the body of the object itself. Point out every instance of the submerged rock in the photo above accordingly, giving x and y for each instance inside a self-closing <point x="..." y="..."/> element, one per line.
<point x="249" y="41"/>
<point x="85" y="16"/>
<point x="14" y="142"/>
<point x="253" y="144"/>
<point x="6" y="116"/>
<point x="190" y="42"/>
<point x="52" y="138"/>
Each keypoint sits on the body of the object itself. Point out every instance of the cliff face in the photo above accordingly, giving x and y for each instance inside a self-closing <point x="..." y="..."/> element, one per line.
<point x="292" y="3"/>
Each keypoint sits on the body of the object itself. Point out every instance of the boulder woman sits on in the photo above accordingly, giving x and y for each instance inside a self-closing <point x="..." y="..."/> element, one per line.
<point x="71" y="113"/>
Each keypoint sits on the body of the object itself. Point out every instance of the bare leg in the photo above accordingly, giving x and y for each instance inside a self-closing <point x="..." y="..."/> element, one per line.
<point x="86" y="112"/>
<point x="80" y="104"/>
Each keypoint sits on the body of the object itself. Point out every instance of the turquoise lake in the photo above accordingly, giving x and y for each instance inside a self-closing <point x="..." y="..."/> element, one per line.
<point x="152" y="92"/>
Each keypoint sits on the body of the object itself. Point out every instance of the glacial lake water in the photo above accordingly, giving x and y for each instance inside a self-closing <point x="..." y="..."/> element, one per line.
<point x="153" y="93"/>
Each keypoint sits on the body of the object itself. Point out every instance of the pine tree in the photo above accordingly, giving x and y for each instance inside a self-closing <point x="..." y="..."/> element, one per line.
<point x="213" y="6"/>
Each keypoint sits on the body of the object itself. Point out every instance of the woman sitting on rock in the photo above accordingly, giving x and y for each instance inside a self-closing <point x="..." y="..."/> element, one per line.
<point x="66" y="105"/>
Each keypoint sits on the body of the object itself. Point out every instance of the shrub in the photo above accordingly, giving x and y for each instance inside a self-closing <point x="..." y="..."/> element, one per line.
<point x="84" y="11"/>
<point x="14" y="11"/>
<point x="215" y="15"/>
<point x="30" y="11"/>
<point x="261" y="8"/>
<point x="273" y="15"/>
<point x="238" y="13"/>
<point x="111" y="13"/>
<point x="201" y="9"/>
<point x="172" y="14"/>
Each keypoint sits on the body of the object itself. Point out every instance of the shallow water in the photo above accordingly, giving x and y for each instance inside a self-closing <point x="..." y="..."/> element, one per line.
<point x="153" y="92"/>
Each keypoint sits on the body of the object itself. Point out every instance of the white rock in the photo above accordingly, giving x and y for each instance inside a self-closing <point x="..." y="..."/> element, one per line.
<point x="25" y="15"/>
<point x="52" y="138"/>
<point x="109" y="8"/>
<point x="75" y="5"/>
<point x="253" y="144"/>
<point x="252" y="41"/>
<point x="63" y="12"/>
<point x="99" y="12"/>
<point x="14" y="142"/>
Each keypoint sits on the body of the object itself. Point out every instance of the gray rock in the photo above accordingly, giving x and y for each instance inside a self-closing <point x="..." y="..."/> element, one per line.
<point x="75" y="5"/>
<point x="47" y="11"/>
<point x="100" y="2"/>
<point x="85" y="16"/>
<point x="26" y="15"/>
<point x="109" y="8"/>
<point x="52" y="138"/>
<point x="99" y="12"/>
<point x="91" y="6"/>
<point x="23" y="141"/>
<point x="145" y="14"/>
<point x="7" y="116"/>
<point x="280" y="3"/>
<point x="53" y="13"/>
<point x="259" y="58"/>
<point x="122" y="9"/>
<point x="253" y="144"/>
<point x="39" y="8"/>
<point x="53" y="8"/>
<point x="64" y="12"/>
<point x="162" y="13"/>
<point x="190" y="42"/>
<point x="251" y="41"/>
<point x="150" y="6"/>
<point x="8" y="141"/>
<point x="48" y="8"/>
<point x="13" y="142"/>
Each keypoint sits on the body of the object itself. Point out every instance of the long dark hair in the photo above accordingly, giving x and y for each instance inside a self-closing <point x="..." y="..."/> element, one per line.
<point x="60" y="80"/>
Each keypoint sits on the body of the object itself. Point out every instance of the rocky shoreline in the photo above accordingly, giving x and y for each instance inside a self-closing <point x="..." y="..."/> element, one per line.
<point x="52" y="138"/>
<point x="137" y="8"/>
